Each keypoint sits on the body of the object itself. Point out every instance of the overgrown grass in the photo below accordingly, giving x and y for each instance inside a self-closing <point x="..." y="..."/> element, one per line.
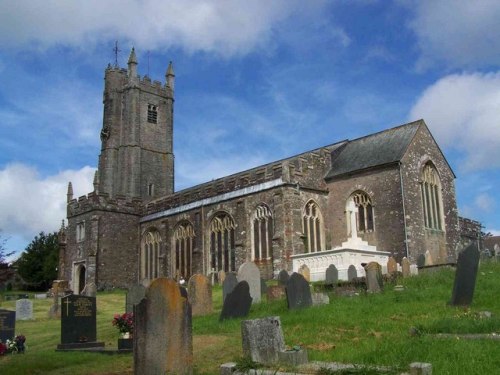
<point x="369" y="330"/>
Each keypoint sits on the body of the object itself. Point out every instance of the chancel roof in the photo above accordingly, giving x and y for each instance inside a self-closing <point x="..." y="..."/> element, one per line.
<point x="383" y="148"/>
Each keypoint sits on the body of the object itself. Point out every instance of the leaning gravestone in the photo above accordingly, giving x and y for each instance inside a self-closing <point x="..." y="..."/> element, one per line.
<point x="237" y="303"/>
<point x="298" y="293"/>
<point x="163" y="341"/>
<point x="405" y="267"/>
<point x="78" y="323"/>
<point x="283" y="277"/>
<point x="374" y="282"/>
<point x="262" y="339"/>
<point x="134" y="295"/>
<point x="7" y="325"/>
<point x="229" y="284"/>
<point x="305" y="271"/>
<point x="200" y="295"/>
<point x="24" y="309"/>
<point x="392" y="266"/>
<point x="465" y="276"/>
<point x="352" y="273"/>
<point x="250" y="273"/>
<point x="331" y="275"/>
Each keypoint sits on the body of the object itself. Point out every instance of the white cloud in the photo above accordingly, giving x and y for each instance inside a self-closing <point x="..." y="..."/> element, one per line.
<point x="226" y="27"/>
<point x="459" y="33"/>
<point x="485" y="202"/>
<point x="30" y="203"/>
<point x="462" y="112"/>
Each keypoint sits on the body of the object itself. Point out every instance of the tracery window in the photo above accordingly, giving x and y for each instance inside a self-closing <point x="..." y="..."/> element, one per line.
<point x="312" y="227"/>
<point x="431" y="197"/>
<point x="262" y="225"/>
<point x="364" y="218"/>
<point x="222" y="254"/>
<point x="184" y="238"/>
<point x="150" y="253"/>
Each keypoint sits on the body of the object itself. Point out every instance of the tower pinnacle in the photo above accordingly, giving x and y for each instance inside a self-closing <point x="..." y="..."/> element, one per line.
<point x="170" y="76"/>
<point x="132" y="64"/>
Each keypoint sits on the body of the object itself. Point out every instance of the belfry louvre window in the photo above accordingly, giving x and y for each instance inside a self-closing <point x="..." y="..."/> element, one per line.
<point x="431" y="197"/>
<point x="222" y="255"/>
<point x="312" y="227"/>
<point x="150" y="253"/>
<point x="262" y="224"/>
<point x="152" y="113"/>
<point x="184" y="238"/>
<point x="365" y="211"/>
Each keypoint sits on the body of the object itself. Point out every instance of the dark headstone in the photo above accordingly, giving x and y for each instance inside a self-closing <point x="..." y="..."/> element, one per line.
<point x="283" y="277"/>
<point x="237" y="303"/>
<point x="163" y="341"/>
<point x="421" y="260"/>
<point x="134" y="295"/>
<point x="298" y="293"/>
<point x="465" y="276"/>
<point x="352" y="273"/>
<point x="263" y="287"/>
<point x="78" y="322"/>
<point x="262" y="339"/>
<point x="7" y="325"/>
<point x="200" y="295"/>
<point x="331" y="275"/>
<point x="374" y="282"/>
<point x="229" y="284"/>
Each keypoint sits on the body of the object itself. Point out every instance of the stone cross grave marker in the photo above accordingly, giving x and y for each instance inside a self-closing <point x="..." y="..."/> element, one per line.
<point x="237" y="303"/>
<point x="392" y="266"/>
<point x="78" y="323"/>
<point x="283" y="277"/>
<point x="229" y="284"/>
<point x="465" y="276"/>
<point x="7" y="325"/>
<point x="352" y="273"/>
<point x="298" y="293"/>
<point x="405" y="267"/>
<point x="262" y="339"/>
<point x="305" y="271"/>
<point x="200" y="294"/>
<point x="250" y="273"/>
<point x="331" y="275"/>
<point x="163" y="341"/>
<point x="374" y="282"/>
<point x="24" y="309"/>
<point x="134" y="295"/>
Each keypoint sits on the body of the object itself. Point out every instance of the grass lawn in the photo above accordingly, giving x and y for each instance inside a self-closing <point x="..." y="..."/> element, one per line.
<point x="365" y="329"/>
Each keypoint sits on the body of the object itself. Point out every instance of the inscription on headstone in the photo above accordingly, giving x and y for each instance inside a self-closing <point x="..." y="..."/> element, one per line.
<point x="465" y="276"/>
<point x="200" y="295"/>
<point x="250" y="273"/>
<point x="24" y="309"/>
<point x="7" y="325"/>
<point x="298" y="293"/>
<point x="237" y="303"/>
<point x="262" y="339"/>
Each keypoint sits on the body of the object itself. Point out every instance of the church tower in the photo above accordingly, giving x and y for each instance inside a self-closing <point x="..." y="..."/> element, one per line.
<point x="136" y="159"/>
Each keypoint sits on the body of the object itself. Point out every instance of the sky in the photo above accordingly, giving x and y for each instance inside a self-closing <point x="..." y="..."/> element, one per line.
<point x="256" y="81"/>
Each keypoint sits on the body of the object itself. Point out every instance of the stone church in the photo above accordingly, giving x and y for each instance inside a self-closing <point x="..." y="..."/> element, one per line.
<point x="134" y="227"/>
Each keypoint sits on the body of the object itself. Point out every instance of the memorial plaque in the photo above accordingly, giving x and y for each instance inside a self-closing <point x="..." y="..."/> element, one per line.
<point x="7" y="325"/>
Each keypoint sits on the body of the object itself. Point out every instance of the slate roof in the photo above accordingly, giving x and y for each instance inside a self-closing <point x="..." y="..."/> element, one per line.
<point x="385" y="147"/>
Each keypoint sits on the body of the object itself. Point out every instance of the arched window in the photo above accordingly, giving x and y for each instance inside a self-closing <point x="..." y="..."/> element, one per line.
<point x="262" y="224"/>
<point x="431" y="197"/>
<point x="150" y="252"/>
<point x="183" y="249"/>
<point x="312" y="227"/>
<point x="222" y="256"/>
<point x="364" y="217"/>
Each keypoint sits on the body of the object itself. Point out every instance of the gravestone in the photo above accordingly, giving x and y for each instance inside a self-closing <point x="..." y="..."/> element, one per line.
<point x="392" y="266"/>
<point x="421" y="260"/>
<point x="250" y="273"/>
<point x="320" y="299"/>
<point x="229" y="284"/>
<point x="374" y="282"/>
<point x="275" y="292"/>
<point x="89" y="290"/>
<point x="24" y="309"/>
<point x="163" y="341"/>
<point x="221" y="276"/>
<point x="200" y="295"/>
<point x="405" y="267"/>
<point x="184" y="292"/>
<point x="134" y="295"/>
<point x="7" y="325"/>
<point x="465" y="276"/>
<point x="352" y="273"/>
<point x="78" y="323"/>
<point x="263" y="287"/>
<point x="304" y="271"/>
<point x="298" y="293"/>
<point x="40" y="295"/>
<point x="262" y="339"/>
<point x="237" y="303"/>
<point x="331" y="275"/>
<point x="283" y="277"/>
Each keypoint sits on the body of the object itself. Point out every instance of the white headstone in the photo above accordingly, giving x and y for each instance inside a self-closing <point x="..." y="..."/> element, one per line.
<point x="249" y="272"/>
<point x="24" y="309"/>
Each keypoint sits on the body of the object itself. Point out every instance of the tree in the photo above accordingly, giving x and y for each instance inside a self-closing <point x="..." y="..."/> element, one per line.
<point x="6" y="271"/>
<point x="37" y="265"/>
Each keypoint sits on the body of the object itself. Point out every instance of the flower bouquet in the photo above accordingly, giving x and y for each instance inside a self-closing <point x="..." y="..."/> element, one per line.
<point x="124" y="323"/>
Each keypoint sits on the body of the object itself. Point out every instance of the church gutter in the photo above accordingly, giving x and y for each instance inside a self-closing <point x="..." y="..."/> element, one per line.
<point x="218" y="198"/>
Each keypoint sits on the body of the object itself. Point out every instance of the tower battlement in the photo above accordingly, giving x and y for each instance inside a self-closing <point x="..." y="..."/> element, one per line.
<point x="103" y="202"/>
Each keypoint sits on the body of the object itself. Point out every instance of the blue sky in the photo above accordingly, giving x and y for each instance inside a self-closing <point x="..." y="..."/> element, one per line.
<point x="256" y="81"/>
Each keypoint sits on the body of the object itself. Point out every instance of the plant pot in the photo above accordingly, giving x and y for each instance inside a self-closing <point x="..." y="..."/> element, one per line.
<point x="126" y="344"/>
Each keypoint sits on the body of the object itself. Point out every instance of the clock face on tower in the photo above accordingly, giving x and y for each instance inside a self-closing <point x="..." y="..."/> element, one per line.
<point x="105" y="133"/>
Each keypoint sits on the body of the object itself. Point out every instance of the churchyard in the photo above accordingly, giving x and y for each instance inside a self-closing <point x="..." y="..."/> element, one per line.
<point x="392" y="328"/>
